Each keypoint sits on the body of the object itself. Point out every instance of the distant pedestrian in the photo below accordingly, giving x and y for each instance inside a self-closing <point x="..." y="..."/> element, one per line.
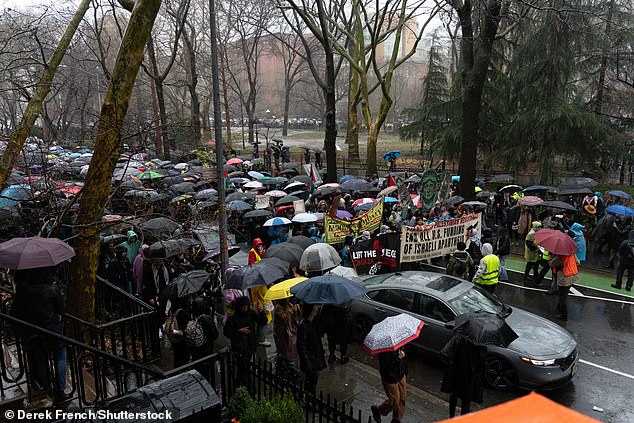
<point x="474" y="250"/>
<point x="531" y="252"/>
<point x="626" y="263"/>
<point x="488" y="271"/>
<point x="502" y="249"/>
<point x="318" y="159"/>
<point x="393" y="370"/>
<point x="307" y="156"/>
<point x="569" y="276"/>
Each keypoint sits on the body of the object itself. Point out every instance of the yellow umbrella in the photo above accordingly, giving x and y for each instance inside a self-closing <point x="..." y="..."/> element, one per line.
<point x="282" y="289"/>
<point x="478" y="189"/>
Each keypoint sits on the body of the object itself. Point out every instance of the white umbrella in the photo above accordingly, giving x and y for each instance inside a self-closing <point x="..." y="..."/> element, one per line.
<point x="276" y="221"/>
<point x="304" y="218"/>
<point x="346" y="272"/>
<point x="295" y="185"/>
<point x="392" y="333"/>
<point x="319" y="257"/>
<point x="181" y="166"/>
<point x="254" y="184"/>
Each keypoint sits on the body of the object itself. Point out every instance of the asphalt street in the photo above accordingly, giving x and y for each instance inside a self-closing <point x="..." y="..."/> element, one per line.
<point x="603" y="327"/>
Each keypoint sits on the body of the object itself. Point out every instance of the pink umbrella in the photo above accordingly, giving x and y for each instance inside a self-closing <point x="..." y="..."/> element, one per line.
<point x="361" y="201"/>
<point x="275" y="193"/>
<point x="234" y="161"/>
<point x="530" y="200"/>
<point x="34" y="252"/>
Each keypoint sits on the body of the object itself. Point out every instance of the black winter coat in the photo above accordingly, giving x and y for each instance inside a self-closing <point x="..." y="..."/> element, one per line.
<point x="502" y="246"/>
<point x="463" y="374"/>
<point x="309" y="346"/>
<point x="241" y="343"/>
<point x="39" y="304"/>
<point x="336" y="322"/>
<point x="392" y="368"/>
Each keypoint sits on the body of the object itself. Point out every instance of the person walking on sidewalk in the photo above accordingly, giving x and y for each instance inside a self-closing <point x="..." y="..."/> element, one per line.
<point x="626" y="263"/>
<point x="393" y="370"/>
<point x="531" y="252"/>
<point x="486" y="276"/>
<point x="568" y="277"/>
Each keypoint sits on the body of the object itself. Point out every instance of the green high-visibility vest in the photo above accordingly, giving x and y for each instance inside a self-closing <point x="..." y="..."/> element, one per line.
<point x="490" y="277"/>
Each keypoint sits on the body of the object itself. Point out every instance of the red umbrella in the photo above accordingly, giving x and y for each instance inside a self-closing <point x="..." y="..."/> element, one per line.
<point x="555" y="242"/>
<point x="530" y="200"/>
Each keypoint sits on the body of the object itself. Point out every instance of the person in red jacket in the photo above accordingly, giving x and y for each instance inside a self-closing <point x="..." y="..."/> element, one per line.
<point x="258" y="250"/>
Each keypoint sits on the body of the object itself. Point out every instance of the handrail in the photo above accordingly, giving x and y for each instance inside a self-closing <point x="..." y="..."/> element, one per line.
<point x="74" y="342"/>
<point x="123" y="292"/>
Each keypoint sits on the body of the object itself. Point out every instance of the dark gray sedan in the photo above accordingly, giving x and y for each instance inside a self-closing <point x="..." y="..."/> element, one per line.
<point x="544" y="356"/>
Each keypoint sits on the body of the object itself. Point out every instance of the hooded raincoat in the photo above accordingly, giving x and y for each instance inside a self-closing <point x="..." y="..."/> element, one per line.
<point x="131" y="247"/>
<point x="579" y="240"/>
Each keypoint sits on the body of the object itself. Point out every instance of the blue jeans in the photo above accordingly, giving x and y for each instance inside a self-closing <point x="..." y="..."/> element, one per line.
<point x="39" y="361"/>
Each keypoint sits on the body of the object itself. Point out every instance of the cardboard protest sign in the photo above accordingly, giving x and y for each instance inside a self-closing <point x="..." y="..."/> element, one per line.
<point x="435" y="239"/>
<point x="335" y="229"/>
<point x="262" y="201"/>
<point x="299" y="206"/>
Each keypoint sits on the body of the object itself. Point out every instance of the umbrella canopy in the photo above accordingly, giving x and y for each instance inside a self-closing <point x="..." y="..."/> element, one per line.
<point x="502" y="178"/>
<point x="393" y="154"/>
<point x="147" y="175"/>
<point x="286" y="200"/>
<point x="530" y="200"/>
<point x="346" y="272"/>
<point x="618" y="209"/>
<point x="327" y="289"/>
<point x="235" y="161"/>
<point x="474" y="204"/>
<point x="326" y="190"/>
<point x="282" y="290"/>
<point x="173" y="180"/>
<point x="362" y="201"/>
<point x="231" y="251"/>
<point x="185" y="284"/>
<point x="578" y="181"/>
<point x="484" y="328"/>
<point x="304" y="218"/>
<point x="276" y="194"/>
<point x="207" y="193"/>
<point x="555" y="242"/>
<point x="242" y="196"/>
<point x="392" y="333"/>
<point x="160" y="226"/>
<point x="414" y="179"/>
<point x="34" y="252"/>
<point x="255" y="175"/>
<point x="387" y="191"/>
<point x="276" y="221"/>
<point x="511" y="187"/>
<point x="452" y="201"/>
<point x="620" y="194"/>
<point x="343" y="214"/>
<point x="319" y="257"/>
<point x="559" y="205"/>
<point x="258" y="213"/>
<point x="302" y="241"/>
<point x="183" y="187"/>
<point x="305" y="179"/>
<point x="253" y="184"/>
<point x="264" y="272"/>
<point x="238" y="205"/>
<point x="566" y="190"/>
<point x="171" y="247"/>
<point x="537" y="188"/>
<point x="356" y="185"/>
<point x="294" y="186"/>
<point x="290" y="253"/>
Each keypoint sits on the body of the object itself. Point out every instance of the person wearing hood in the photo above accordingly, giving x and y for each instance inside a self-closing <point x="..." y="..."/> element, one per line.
<point x="132" y="246"/>
<point x="460" y="262"/>
<point x="580" y="241"/>
<point x="488" y="272"/>
<point x="474" y="250"/>
<point x="258" y="250"/>
<point x="531" y="252"/>
<point x="502" y="249"/>
<point x="137" y="269"/>
<point x="626" y="263"/>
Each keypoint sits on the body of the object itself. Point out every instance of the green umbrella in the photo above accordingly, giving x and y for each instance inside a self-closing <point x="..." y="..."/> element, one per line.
<point x="149" y="175"/>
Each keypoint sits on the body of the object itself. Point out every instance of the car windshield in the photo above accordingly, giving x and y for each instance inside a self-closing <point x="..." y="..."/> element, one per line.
<point x="476" y="300"/>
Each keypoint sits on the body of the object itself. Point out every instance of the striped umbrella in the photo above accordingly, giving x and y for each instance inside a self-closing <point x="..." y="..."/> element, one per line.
<point x="362" y="201"/>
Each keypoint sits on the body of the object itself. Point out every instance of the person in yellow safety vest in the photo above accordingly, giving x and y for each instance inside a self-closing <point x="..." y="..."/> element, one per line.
<point x="487" y="274"/>
<point x="257" y="293"/>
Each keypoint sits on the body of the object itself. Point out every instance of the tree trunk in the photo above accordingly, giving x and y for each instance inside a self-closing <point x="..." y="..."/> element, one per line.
<point x="34" y="106"/>
<point x="373" y="138"/>
<point x="205" y="117"/>
<point x="160" y="98"/>
<point x="192" y="85"/>
<point x="156" y="120"/>
<point x="251" y="132"/>
<point x="287" y="105"/>
<point x="331" y="122"/>
<point x="225" y="96"/>
<point x="108" y="146"/>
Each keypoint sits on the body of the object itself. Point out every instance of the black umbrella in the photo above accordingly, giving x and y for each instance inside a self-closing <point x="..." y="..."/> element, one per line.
<point x="289" y="172"/>
<point x="284" y="201"/>
<point x="258" y="213"/>
<point x="358" y="185"/>
<point x="264" y="272"/>
<point x="171" y="247"/>
<point x="290" y="253"/>
<point x="326" y="190"/>
<point x="198" y="186"/>
<point x="173" y="180"/>
<point x="563" y="190"/>
<point x="185" y="284"/>
<point x="206" y="204"/>
<point x="502" y="178"/>
<point x="290" y="165"/>
<point x="238" y="196"/>
<point x="558" y="205"/>
<point x="158" y="197"/>
<point x="302" y="241"/>
<point x="160" y="226"/>
<point x="231" y="251"/>
<point x="484" y="328"/>
<point x="238" y="205"/>
<point x="301" y="178"/>
<point x="452" y="201"/>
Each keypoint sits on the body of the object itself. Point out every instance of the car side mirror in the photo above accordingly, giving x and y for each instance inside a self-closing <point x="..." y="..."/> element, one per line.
<point x="450" y="325"/>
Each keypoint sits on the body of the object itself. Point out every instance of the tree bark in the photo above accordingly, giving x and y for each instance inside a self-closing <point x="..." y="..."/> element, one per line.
<point x="192" y="85"/>
<point x="156" y="119"/>
<point x="160" y="98"/>
<point x="287" y="104"/>
<point x="108" y="146"/>
<point x="373" y="138"/>
<point x="352" y="132"/>
<point x="225" y="97"/>
<point x="34" y="106"/>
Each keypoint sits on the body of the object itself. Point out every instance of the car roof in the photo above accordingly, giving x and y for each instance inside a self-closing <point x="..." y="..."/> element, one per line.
<point x="436" y="284"/>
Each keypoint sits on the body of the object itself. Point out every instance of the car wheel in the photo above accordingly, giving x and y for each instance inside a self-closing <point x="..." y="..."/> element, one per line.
<point x="499" y="373"/>
<point x="362" y="326"/>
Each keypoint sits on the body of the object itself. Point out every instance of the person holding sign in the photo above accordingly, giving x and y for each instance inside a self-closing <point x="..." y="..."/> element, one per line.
<point x="487" y="274"/>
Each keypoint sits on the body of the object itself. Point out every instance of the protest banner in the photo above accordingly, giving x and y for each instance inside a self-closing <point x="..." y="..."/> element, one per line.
<point x="435" y="239"/>
<point x="377" y="255"/>
<point x="336" y="230"/>
<point x="262" y="201"/>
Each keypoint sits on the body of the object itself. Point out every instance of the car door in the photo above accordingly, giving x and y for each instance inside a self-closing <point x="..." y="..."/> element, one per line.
<point x="390" y="302"/>
<point x="435" y="314"/>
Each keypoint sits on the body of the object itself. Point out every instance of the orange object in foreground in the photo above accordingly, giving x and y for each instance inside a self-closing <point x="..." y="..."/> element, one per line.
<point x="532" y="408"/>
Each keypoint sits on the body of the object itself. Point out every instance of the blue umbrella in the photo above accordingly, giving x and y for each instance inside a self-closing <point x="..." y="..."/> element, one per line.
<point x="327" y="289"/>
<point x="620" y="194"/>
<point x="389" y="199"/>
<point x="393" y="154"/>
<point x="618" y="209"/>
<point x="455" y="178"/>
<point x="238" y="205"/>
<point x="345" y="178"/>
<point x="256" y="175"/>
<point x="10" y="196"/>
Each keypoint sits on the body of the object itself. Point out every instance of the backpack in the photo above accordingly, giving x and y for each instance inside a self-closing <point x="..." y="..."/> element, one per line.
<point x="194" y="334"/>
<point x="172" y="331"/>
<point x="630" y="250"/>
<point x="460" y="268"/>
